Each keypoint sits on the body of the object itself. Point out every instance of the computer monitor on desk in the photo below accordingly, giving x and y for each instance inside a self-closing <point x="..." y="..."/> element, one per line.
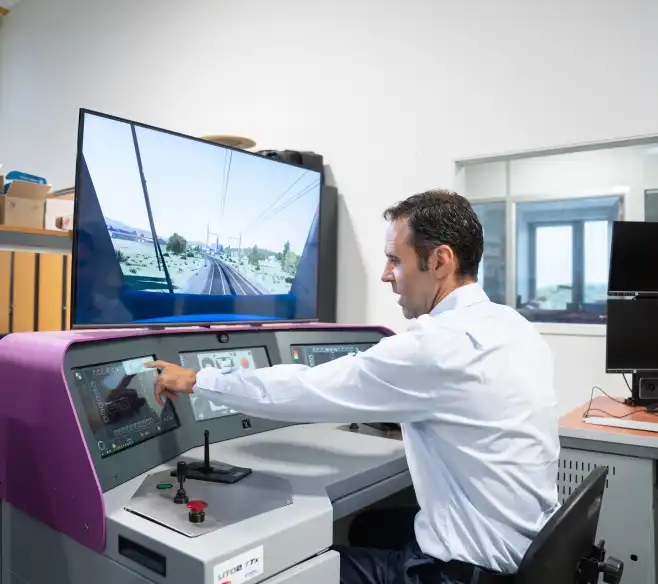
<point x="629" y="349"/>
<point x="631" y="272"/>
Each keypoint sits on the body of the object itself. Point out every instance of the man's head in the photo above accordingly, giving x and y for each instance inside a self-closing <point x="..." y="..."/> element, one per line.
<point x="433" y="245"/>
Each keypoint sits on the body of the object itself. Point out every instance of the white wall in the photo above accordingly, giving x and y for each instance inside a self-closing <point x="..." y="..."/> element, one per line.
<point x="390" y="92"/>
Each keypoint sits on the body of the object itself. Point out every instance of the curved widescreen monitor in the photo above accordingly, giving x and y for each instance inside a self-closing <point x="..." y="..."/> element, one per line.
<point x="173" y="230"/>
<point x="632" y="271"/>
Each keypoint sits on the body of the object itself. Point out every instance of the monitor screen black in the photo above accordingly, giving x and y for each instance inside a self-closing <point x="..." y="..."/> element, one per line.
<point x="313" y="355"/>
<point x="171" y="229"/>
<point x="632" y="324"/>
<point x="632" y="269"/>
<point x="249" y="358"/>
<point x="120" y="405"/>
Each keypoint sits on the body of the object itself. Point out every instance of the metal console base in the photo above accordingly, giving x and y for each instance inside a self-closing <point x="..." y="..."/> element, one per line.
<point x="227" y="504"/>
<point x="628" y="511"/>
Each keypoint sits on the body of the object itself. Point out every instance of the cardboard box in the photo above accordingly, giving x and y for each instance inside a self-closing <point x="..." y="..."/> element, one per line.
<point x="57" y="207"/>
<point x="65" y="223"/>
<point x="24" y="204"/>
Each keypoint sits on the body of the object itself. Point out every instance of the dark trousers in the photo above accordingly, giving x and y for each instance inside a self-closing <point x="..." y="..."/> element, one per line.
<point x="383" y="550"/>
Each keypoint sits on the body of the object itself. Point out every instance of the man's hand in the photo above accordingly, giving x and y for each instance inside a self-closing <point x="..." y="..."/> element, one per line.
<point x="172" y="380"/>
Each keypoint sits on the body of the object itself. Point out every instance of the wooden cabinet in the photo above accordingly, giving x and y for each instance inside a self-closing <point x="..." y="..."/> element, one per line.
<point x="35" y="282"/>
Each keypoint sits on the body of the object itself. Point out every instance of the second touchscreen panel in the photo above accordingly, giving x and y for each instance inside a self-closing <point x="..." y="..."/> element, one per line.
<point x="247" y="358"/>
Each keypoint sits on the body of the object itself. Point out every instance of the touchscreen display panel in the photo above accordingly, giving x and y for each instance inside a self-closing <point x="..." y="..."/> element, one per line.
<point x="120" y="405"/>
<point x="313" y="355"/>
<point x="248" y="358"/>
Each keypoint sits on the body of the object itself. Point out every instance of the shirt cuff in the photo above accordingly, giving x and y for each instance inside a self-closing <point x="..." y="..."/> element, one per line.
<point x="208" y="379"/>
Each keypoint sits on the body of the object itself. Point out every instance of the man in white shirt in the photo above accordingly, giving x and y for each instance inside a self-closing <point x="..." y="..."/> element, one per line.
<point x="470" y="382"/>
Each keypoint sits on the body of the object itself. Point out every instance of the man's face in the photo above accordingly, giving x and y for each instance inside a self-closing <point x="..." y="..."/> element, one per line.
<point x="417" y="289"/>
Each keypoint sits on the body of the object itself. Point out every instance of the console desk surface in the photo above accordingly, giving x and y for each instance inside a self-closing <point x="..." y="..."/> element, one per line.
<point x="575" y="433"/>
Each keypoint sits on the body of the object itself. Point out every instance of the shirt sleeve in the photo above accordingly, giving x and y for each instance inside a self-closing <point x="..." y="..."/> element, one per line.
<point x="394" y="381"/>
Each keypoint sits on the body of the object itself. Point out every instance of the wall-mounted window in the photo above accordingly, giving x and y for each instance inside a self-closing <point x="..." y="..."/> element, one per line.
<point x="562" y="256"/>
<point x="547" y="220"/>
<point x="491" y="273"/>
<point x="651" y="205"/>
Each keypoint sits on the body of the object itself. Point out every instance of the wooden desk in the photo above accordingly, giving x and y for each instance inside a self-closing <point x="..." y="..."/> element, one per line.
<point x="627" y="520"/>
<point x="574" y="432"/>
<point x="605" y="407"/>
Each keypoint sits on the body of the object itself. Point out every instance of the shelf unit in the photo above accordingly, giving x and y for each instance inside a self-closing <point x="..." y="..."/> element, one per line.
<point x="34" y="240"/>
<point x="35" y="279"/>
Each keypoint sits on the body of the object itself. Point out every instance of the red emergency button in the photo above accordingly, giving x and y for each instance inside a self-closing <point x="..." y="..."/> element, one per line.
<point x="197" y="506"/>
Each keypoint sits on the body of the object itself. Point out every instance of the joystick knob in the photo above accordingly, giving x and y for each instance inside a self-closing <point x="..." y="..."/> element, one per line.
<point x="181" y="474"/>
<point x="197" y="511"/>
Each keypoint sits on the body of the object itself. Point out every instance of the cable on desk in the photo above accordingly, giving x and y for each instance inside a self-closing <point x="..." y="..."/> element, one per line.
<point x="619" y="401"/>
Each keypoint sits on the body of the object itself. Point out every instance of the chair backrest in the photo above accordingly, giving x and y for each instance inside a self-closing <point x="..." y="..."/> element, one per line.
<point x="567" y="537"/>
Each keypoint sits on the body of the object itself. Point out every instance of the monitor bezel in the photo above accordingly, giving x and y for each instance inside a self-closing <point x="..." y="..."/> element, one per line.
<point x="623" y="370"/>
<point x="613" y="293"/>
<point x="324" y="230"/>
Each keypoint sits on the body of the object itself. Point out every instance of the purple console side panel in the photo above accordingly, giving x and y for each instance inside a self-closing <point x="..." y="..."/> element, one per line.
<point x="46" y="470"/>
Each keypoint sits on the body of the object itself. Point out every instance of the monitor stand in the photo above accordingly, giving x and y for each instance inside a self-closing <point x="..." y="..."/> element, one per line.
<point x="217" y="472"/>
<point x="379" y="429"/>
<point x="644" y="389"/>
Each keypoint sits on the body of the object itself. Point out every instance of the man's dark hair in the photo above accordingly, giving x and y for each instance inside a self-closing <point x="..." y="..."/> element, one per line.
<point x="442" y="217"/>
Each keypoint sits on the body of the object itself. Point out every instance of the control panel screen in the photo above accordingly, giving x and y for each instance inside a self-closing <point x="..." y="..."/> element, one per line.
<point x="252" y="358"/>
<point x="120" y="405"/>
<point x="313" y="355"/>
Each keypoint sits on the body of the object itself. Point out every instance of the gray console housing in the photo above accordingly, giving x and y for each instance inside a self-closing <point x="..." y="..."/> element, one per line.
<point x="132" y="462"/>
<point x="331" y="473"/>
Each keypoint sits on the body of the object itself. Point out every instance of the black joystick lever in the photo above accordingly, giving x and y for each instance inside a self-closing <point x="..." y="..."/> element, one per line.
<point x="219" y="472"/>
<point x="181" y="475"/>
<point x="199" y="470"/>
<point x="206" y="468"/>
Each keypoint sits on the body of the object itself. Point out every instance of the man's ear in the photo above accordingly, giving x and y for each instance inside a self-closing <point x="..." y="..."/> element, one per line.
<point x="441" y="259"/>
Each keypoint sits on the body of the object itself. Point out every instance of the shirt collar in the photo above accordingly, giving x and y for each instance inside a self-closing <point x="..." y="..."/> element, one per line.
<point x="461" y="298"/>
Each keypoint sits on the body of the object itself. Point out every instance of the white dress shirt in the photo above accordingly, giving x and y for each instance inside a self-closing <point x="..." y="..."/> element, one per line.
<point x="472" y="386"/>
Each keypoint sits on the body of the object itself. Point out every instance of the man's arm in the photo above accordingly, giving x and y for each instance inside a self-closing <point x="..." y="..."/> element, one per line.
<point x="397" y="380"/>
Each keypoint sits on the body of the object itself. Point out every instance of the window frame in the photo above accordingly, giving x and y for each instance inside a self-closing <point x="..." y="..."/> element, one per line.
<point x="533" y="226"/>
<point x="511" y="231"/>
<point x="632" y="210"/>
<point x="648" y="193"/>
<point x="503" y="201"/>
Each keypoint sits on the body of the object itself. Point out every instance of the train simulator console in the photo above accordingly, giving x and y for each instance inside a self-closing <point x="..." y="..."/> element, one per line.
<point x="99" y="483"/>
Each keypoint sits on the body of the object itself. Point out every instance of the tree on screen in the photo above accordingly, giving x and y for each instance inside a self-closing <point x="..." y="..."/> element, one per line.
<point x="254" y="256"/>
<point x="176" y="244"/>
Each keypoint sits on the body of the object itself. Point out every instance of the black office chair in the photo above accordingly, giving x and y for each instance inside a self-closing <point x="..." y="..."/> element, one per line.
<point x="564" y="552"/>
